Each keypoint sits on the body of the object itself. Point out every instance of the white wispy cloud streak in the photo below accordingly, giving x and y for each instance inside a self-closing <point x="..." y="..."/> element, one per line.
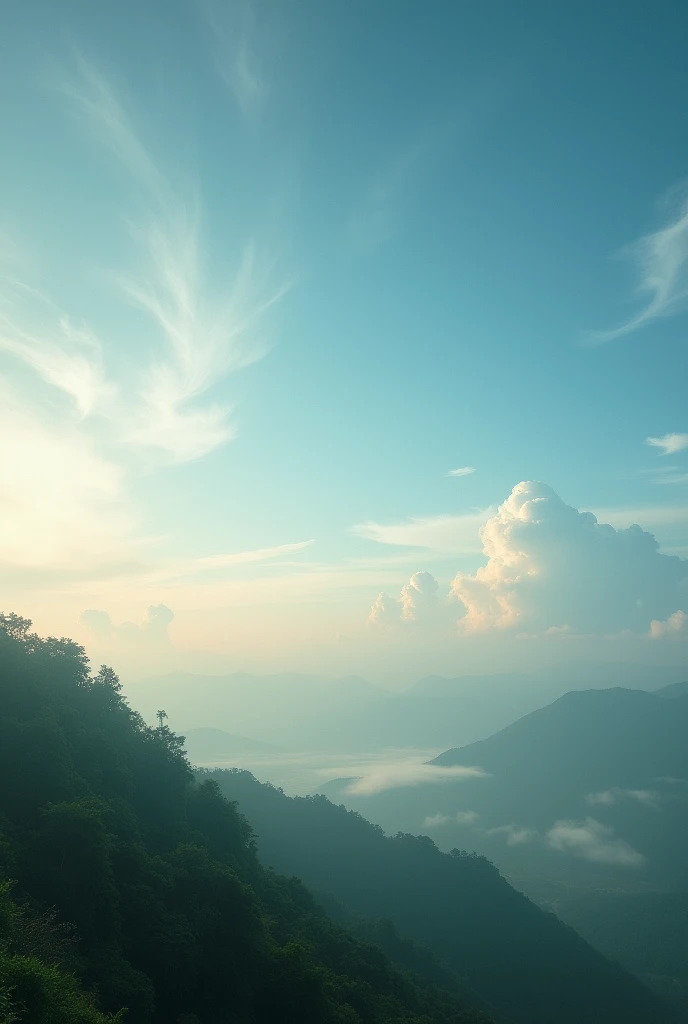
<point x="661" y="260"/>
<point x="650" y="516"/>
<point x="670" y="443"/>
<point x="36" y="332"/>
<point x="451" y="534"/>
<point x="177" y="569"/>
<point x="514" y="835"/>
<point x="233" y="27"/>
<point x="209" y="333"/>
<point x="65" y="502"/>
<point x="396" y="776"/>
<point x="609" y="797"/>
<point x="461" y="818"/>
<point x="674" y="478"/>
<point x="461" y="471"/>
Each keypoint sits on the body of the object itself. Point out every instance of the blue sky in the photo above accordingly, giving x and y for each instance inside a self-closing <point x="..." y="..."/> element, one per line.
<point x="270" y="271"/>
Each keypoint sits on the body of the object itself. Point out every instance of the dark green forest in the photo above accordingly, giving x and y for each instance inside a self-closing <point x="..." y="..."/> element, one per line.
<point x="133" y="892"/>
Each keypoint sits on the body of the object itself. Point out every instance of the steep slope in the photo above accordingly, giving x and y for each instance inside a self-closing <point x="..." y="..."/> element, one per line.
<point x="153" y="878"/>
<point x="527" y="964"/>
<point x="623" y="734"/>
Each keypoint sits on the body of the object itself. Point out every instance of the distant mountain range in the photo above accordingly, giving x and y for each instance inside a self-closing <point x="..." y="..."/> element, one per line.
<point x="289" y="711"/>
<point x="612" y="763"/>
<point x="351" y="714"/>
<point x="674" y="690"/>
<point x="208" y="746"/>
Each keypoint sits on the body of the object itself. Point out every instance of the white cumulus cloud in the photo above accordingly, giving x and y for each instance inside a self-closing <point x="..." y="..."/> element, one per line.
<point x="550" y="565"/>
<point x="674" y="626"/>
<point x="418" y="602"/>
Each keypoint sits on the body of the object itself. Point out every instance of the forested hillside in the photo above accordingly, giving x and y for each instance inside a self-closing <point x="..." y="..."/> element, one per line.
<point x="531" y="967"/>
<point x="131" y="889"/>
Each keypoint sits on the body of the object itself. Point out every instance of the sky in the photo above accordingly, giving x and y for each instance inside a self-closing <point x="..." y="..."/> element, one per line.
<point x="348" y="337"/>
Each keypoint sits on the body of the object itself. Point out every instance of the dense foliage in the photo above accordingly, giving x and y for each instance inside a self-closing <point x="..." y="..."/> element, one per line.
<point x="137" y="889"/>
<point x="526" y="964"/>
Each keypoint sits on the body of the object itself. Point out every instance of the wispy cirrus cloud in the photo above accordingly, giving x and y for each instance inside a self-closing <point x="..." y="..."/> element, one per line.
<point x="208" y="331"/>
<point x="396" y="776"/>
<point x="661" y="262"/>
<point x="609" y="797"/>
<point x="461" y="471"/>
<point x="198" y="333"/>
<point x="461" y="818"/>
<point x="77" y="422"/>
<point x="233" y="27"/>
<point x="651" y="516"/>
<point x="673" y="478"/>
<point x="670" y="444"/>
<point x="447" y="533"/>
<point x="169" y="571"/>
